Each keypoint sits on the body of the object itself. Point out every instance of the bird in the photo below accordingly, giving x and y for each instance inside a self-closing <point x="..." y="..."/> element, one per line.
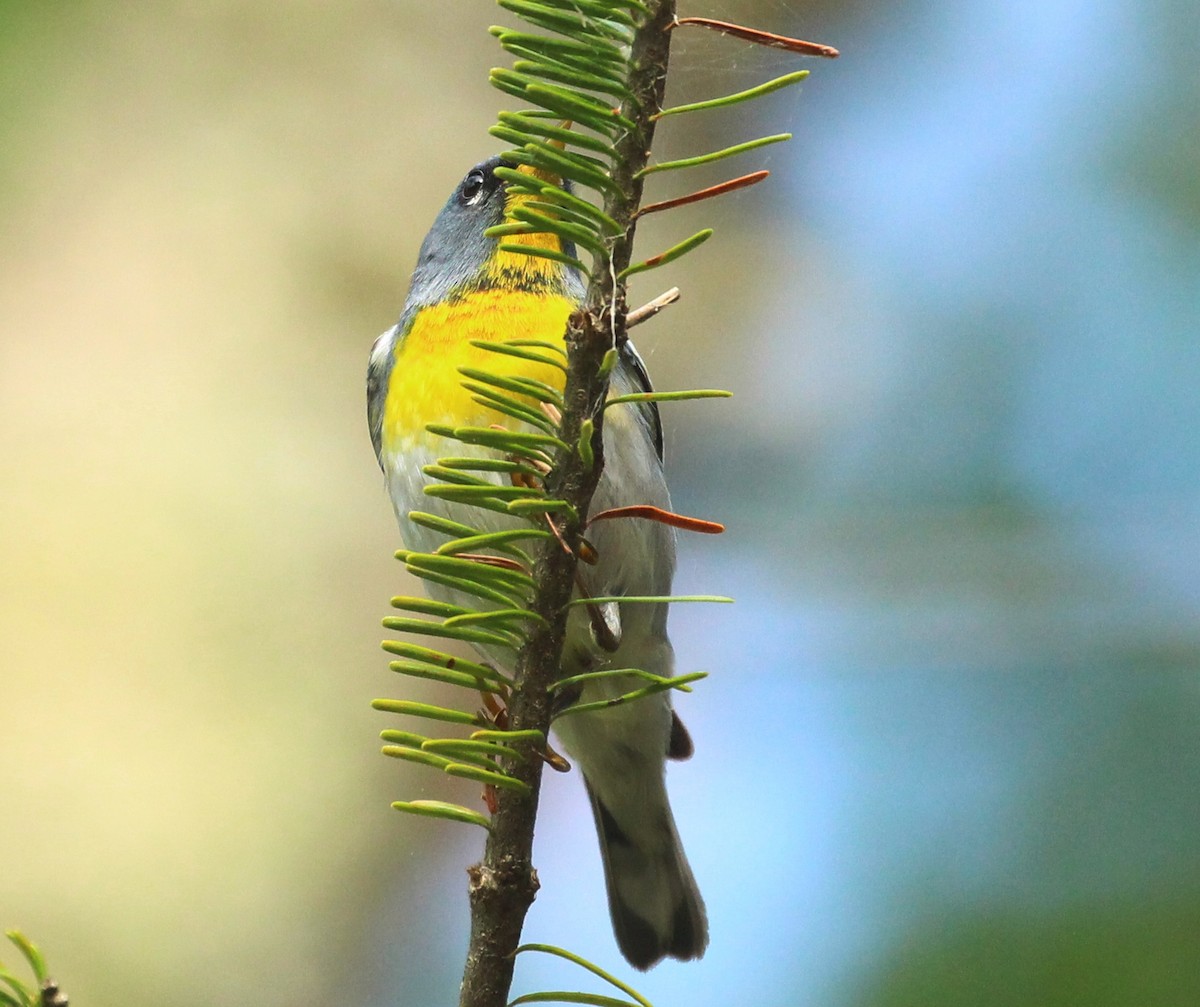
<point x="465" y="289"/>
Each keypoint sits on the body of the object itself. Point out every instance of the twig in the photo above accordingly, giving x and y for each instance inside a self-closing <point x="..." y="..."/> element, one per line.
<point x="667" y="517"/>
<point x="651" y="308"/>
<point x="713" y="190"/>
<point x="797" y="45"/>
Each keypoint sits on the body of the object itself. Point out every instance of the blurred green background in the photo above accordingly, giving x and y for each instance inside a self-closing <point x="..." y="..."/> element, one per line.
<point x="950" y="751"/>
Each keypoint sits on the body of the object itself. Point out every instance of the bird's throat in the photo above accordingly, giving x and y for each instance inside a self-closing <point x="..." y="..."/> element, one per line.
<point x="426" y="386"/>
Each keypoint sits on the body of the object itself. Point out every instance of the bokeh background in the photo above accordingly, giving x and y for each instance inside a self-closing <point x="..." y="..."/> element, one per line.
<point x="950" y="750"/>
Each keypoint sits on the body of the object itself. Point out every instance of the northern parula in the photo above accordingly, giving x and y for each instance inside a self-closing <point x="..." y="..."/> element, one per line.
<point x="465" y="288"/>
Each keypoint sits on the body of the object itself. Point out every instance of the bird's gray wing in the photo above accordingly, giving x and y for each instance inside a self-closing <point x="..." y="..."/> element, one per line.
<point x="641" y="379"/>
<point x="379" y="370"/>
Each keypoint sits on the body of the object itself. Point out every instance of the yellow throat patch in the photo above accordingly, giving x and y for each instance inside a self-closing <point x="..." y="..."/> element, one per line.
<point x="516" y="298"/>
<point x="425" y="384"/>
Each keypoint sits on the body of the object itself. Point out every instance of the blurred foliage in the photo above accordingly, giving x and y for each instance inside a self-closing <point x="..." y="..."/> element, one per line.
<point x="1160" y="161"/>
<point x="1101" y="955"/>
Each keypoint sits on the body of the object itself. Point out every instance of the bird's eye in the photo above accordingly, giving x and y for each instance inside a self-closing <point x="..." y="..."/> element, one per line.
<point x="472" y="188"/>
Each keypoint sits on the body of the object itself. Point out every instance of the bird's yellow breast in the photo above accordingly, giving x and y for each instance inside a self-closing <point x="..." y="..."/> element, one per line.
<point x="425" y="385"/>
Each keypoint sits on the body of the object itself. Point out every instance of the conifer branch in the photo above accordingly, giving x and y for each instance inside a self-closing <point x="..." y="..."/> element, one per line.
<point x="503" y="885"/>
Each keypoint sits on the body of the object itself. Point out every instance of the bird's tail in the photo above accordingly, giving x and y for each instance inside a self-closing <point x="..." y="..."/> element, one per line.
<point x="655" y="905"/>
